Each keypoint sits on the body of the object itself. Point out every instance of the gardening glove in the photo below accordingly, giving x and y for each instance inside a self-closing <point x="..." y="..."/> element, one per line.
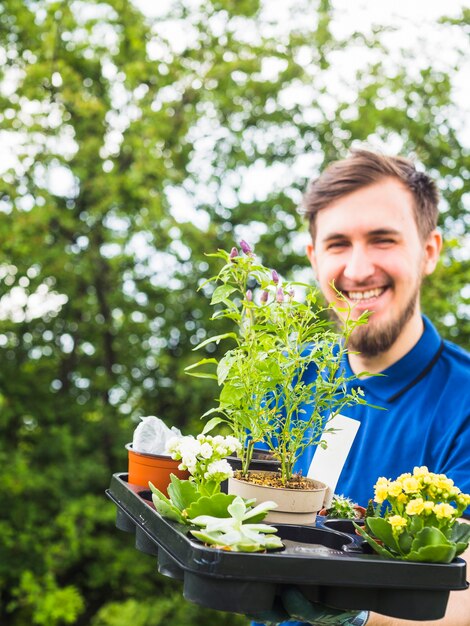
<point x="293" y="608"/>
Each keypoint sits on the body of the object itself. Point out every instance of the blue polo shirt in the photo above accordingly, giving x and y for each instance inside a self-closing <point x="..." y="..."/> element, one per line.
<point x="426" y="421"/>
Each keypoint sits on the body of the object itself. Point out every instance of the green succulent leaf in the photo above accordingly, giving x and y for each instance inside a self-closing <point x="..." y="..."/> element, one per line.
<point x="433" y="554"/>
<point x="429" y="536"/>
<point x="405" y="540"/>
<point x="182" y="492"/>
<point x="373" y="543"/>
<point x="381" y="529"/>
<point x="416" y="524"/>
<point x="460" y="533"/>
<point x="168" y="510"/>
<point x="216" y="506"/>
<point x="460" y="547"/>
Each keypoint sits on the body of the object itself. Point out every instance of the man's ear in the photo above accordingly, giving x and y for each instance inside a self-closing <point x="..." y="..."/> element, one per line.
<point x="432" y="249"/>
<point x="311" y="256"/>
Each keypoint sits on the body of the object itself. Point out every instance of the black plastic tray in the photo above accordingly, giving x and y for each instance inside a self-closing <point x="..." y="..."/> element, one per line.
<point x="329" y="566"/>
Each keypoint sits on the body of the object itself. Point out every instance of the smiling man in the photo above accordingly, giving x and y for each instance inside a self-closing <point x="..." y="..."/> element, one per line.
<point x="372" y="220"/>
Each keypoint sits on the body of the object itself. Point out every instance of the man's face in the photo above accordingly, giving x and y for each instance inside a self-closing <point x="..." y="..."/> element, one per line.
<point x="368" y="243"/>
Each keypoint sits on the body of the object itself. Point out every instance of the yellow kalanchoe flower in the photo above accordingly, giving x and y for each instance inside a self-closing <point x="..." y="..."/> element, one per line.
<point x="394" y="488"/>
<point x="411" y="485"/>
<point x="381" y="490"/>
<point x="415" y="507"/>
<point x="444" y="510"/>
<point x="420" y="472"/>
<point x="397" y="522"/>
<point x="428" y="507"/>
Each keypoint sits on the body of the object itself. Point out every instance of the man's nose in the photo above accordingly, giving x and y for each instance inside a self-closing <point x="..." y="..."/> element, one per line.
<point x="359" y="266"/>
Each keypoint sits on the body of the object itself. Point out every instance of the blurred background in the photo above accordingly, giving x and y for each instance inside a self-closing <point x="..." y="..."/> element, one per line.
<point x="134" y="138"/>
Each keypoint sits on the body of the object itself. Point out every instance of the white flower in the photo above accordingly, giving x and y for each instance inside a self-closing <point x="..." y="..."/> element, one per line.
<point x="218" y="470"/>
<point x="232" y="443"/>
<point x="172" y="446"/>
<point x="205" y="450"/>
<point x="189" y="447"/>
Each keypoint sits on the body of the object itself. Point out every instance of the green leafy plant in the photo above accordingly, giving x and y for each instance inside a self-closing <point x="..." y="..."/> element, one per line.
<point x="419" y="522"/>
<point x="238" y="532"/>
<point x="279" y="337"/>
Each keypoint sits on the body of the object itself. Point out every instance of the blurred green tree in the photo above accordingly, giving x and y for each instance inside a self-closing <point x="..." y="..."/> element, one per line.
<point x="139" y="144"/>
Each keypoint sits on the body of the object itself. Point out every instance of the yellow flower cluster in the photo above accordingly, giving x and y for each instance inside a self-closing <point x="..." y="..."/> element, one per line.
<point x="421" y="493"/>
<point x="421" y="482"/>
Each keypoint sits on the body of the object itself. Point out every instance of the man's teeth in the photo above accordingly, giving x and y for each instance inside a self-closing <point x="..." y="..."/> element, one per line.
<point x="365" y="295"/>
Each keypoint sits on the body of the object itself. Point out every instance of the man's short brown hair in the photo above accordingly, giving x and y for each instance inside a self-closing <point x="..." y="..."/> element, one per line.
<point x="363" y="168"/>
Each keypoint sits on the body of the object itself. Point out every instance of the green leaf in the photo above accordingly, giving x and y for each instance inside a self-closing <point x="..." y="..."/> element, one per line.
<point x="216" y="506"/>
<point x="168" y="510"/>
<point x="373" y="543"/>
<point x="212" y="423"/>
<point x="182" y="492"/>
<point x="215" y="339"/>
<point x="460" y="532"/>
<point x="201" y="374"/>
<point x="416" y="524"/>
<point x="224" y="367"/>
<point x="429" y="536"/>
<point x="221" y="293"/>
<point x="381" y="529"/>
<point x="433" y="554"/>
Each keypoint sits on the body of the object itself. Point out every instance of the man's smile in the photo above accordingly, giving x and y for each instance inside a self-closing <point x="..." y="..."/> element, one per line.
<point x="368" y="294"/>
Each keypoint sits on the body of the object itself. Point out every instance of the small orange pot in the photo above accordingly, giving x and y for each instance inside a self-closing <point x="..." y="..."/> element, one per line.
<point x="154" y="468"/>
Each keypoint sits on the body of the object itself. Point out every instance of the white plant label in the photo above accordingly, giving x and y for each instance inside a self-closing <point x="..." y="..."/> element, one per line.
<point x="327" y="464"/>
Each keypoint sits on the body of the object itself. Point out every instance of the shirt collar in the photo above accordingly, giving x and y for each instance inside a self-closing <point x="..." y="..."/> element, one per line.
<point x="406" y="372"/>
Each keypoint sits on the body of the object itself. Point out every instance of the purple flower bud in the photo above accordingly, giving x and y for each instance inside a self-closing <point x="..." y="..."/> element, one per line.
<point x="291" y="292"/>
<point x="264" y="296"/>
<point x="233" y="253"/>
<point x="245" y="247"/>
<point x="280" y="295"/>
<point x="275" y="277"/>
<point x="249" y="295"/>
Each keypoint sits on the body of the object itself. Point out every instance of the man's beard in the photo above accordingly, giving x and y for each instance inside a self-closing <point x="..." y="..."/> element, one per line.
<point x="370" y="340"/>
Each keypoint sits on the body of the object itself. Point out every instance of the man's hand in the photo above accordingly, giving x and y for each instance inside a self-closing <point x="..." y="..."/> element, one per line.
<point x="294" y="606"/>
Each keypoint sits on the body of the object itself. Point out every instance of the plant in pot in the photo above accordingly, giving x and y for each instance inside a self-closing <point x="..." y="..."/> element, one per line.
<point x="265" y="398"/>
<point x="148" y="460"/>
<point x="342" y="507"/>
<point x="215" y="518"/>
<point x="415" y="518"/>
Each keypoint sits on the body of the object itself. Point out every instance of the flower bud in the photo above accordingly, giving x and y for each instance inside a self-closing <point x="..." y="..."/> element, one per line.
<point x="279" y="295"/>
<point x="233" y="253"/>
<point x="245" y="247"/>
<point x="275" y="277"/>
<point x="249" y="295"/>
<point x="264" y="296"/>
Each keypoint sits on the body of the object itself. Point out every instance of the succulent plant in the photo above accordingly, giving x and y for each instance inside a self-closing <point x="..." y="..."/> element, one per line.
<point x="236" y="533"/>
<point x="342" y="508"/>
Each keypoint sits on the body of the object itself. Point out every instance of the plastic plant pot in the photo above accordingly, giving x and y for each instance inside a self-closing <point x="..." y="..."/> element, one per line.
<point x="154" y="468"/>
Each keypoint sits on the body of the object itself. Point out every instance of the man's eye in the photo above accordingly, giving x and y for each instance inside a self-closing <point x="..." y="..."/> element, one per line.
<point x="384" y="241"/>
<point x="336" y="245"/>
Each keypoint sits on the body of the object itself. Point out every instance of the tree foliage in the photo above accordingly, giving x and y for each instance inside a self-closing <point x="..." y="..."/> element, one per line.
<point x="140" y="144"/>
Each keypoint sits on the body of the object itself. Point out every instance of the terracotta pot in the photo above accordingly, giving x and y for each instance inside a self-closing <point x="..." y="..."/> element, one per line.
<point x="154" y="468"/>
<point x="295" y="506"/>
